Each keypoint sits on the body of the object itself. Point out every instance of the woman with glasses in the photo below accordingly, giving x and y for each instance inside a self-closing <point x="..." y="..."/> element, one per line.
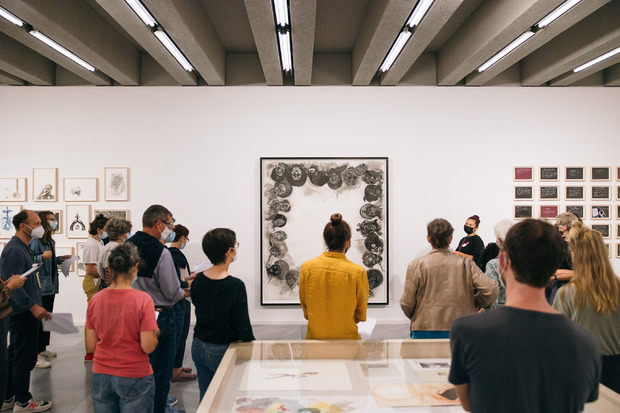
<point x="221" y="306"/>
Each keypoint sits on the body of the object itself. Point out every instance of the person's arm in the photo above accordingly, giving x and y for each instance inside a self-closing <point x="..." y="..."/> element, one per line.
<point x="15" y="282"/>
<point x="39" y="253"/>
<point x="40" y="313"/>
<point x="241" y="318"/>
<point x="148" y="340"/>
<point x="462" y="391"/>
<point x="478" y="247"/>
<point x="167" y="279"/>
<point x="412" y="281"/>
<point x="15" y="261"/>
<point x="302" y="291"/>
<point x="488" y="290"/>
<point x="91" y="340"/>
<point x="563" y="275"/>
<point x="362" y="297"/>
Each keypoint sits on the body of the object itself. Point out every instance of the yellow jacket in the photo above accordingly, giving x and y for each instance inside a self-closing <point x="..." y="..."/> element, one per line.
<point x="333" y="293"/>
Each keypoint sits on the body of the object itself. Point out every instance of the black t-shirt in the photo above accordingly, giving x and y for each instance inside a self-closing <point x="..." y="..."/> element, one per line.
<point x="524" y="361"/>
<point x="471" y="246"/>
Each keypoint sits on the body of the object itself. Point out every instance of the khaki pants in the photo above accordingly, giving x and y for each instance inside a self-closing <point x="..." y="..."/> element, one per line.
<point x="90" y="286"/>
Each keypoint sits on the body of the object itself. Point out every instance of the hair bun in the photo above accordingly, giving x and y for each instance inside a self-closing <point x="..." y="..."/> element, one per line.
<point x="476" y="217"/>
<point x="118" y="261"/>
<point x="336" y="219"/>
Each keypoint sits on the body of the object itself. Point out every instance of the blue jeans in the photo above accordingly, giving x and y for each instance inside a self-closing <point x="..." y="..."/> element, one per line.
<point x="162" y="358"/>
<point x="113" y="394"/>
<point x="420" y="334"/>
<point x="182" y="329"/>
<point x="207" y="358"/>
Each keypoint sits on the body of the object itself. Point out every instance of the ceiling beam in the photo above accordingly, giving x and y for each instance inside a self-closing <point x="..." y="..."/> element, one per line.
<point x="24" y="63"/>
<point x="575" y="46"/>
<point x="573" y="16"/>
<point x="263" y="23"/>
<point x="494" y="25"/>
<point x="303" y="23"/>
<point x="79" y="28"/>
<point x="189" y="26"/>
<point x="571" y="77"/>
<point x="435" y="19"/>
<point x="9" y="79"/>
<point x="612" y="75"/>
<point x="382" y="23"/>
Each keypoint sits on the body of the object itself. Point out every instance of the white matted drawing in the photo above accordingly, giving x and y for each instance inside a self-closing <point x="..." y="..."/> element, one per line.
<point x="13" y="189"/>
<point x="44" y="184"/>
<point x="7" y="212"/>
<point x="116" y="184"/>
<point x="79" y="251"/>
<point x="80" y="189"/>
<point x="78" y="218"/>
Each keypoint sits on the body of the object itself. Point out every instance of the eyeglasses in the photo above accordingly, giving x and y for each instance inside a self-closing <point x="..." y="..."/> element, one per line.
<point x="168" y="224"/>
<point x="236" y="245"/>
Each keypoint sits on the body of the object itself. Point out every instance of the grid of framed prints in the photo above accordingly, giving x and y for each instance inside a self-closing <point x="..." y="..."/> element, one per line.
<point x="590" y="192"/>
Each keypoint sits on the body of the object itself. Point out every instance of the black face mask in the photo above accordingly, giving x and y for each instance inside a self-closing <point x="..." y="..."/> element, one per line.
<point x="468" y="230"/>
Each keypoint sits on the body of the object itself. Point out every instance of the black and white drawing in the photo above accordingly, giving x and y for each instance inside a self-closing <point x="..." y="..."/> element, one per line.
<point x="44" y="185"/>
<point x="575" y="193"/>
<point x="7" y="212"/>
<point x="617" y="250"/>
<point x="601" y="173"/>
<point x="600" y="192"/>
<point x="600" y="212"/>
<point x="575" y="173"/>
<point x="549" y="173"/>
<point x="79" y="251"/>
<point x="116" y="184"/>
<point x="577" y="210"/>
<point x="523" y="211"/>
<point x="13" y="189"/>
<point x="524" y="193"/>
<point x="298" y="195"/>
<point x="78" y="218"/>
<point x="549" y="193"/>
<point x="80" y="189"/>
<point x="113" y="213"/>
<point x="604" y="229"/>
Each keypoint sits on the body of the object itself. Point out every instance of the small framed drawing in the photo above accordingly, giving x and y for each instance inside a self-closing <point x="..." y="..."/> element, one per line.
<point x="549" y="211"/>
<point x="524" y="193"/>
<point x="618" y="193"/>
<point x="44" y="185"/>
<point x="577" y="210"/>
<point x="549" y="193"/>
<point x="78" y="218"/>
<point x="79" y="251"/>
<point x="575" y="193"/>
<point x="116" y="183"/>
<point x="600" y="193"/>
<point x="604" y="229"/>
<point x="617" y="250"/>
<point x="617" y="173"/>
<point x="523" y="211"/>
<point x="549" y="173"/>
<point x="618" y="212"/>
<point x="57" y="214"/>
<point x="618" y="231"/>
<point x="80" y="189"/>
<point x="523" y="173"/>
<point x="13" y="189"/>
<point x="601" y="173"/>
<point x="60" y="251"/>
<point x="7" y="212"/>
<point x="600" y="212"/>
<point x="575" y="173"/>
<point x="113" y="213"/>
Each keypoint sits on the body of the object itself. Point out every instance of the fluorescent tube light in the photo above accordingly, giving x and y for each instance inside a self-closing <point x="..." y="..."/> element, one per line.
<point x="142" y="12"/>
<point x="173" y="49"/>
<point x="502" y="53"/>
<point x="419" y="12"/>
<point x="395" y="50"/>
<point x="285" y="51"/>
<point x="551" y="17"/>
<point x="10" y="17"/>
<point x="281" y="7"/>
<point x="61" y="50"/>
<point x="597" y="60"/>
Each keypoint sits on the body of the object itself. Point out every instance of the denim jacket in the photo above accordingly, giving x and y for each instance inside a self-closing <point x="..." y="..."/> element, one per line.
<point x="48" y="272"/>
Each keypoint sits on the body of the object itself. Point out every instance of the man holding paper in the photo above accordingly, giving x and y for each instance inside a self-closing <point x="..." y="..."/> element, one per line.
<point x="27" y="312"/>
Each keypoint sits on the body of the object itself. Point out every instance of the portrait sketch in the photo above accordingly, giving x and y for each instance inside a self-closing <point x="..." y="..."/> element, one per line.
<point x="7" y="212"/>
<point x="44" y="185"/>
<point x="13" y="189"/>
<point x="80" y="189"/>
<point x="117" y="184"/>
<point x="77" y="220"/>
<point x="298" y="195"/>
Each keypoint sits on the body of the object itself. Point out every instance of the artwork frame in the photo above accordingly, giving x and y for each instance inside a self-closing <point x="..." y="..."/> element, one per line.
<point x="617" y="168"/>
<point x="618" y="212"/>
<point x="600" y="174"/>
<point x="604" y="229"/>
<point x="549" y="193"/>
<point x="80" y="269"/>
<point x="112" y="213"/>
<point x="578" y="210"/>
<point x="62" y="250"/>
<point x="523" y="193"/>
<point x="58" y="214"/>
<point x="356" y="187"/>
<point x="574" y="174"/>
<point x="549" y="211"/>
<point x="549" y="173"/>
<point x="617" y="231"/>
<point x="116" y="183"/>
<point x="523" y="174"/>
<point x="618" y="193"/>
<point x="575" y="193"/>
<point x="7" y="212"/>
<point x="600" y="193"/>
<point x="617" y="250"/>
<point x="77" y="226"/>
<point x="13" y="189"/>
<point x="81" y="189"/>
<point x="523" y="211"/>
<point x="600" y="212"/>
<point x="44" y="184"/>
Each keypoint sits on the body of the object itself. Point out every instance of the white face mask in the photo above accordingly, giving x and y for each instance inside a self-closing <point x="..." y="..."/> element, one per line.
<point x="38" y="232"/>
<point x="165" y="233"/>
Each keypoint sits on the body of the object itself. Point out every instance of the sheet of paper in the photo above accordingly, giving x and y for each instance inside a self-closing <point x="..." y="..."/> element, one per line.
<point x="30" y="271"/>
<point x="201" y="266"/>
<point x="365" y="328"/>
<point x="60" y="323"/>
<point x="65" y="267"/>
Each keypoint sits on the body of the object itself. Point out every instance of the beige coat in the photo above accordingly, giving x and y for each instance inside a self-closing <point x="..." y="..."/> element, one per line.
<point x="439" y="288"/>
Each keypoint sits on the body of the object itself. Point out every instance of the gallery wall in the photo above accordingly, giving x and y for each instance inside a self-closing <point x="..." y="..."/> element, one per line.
<point x="197" y="151"/>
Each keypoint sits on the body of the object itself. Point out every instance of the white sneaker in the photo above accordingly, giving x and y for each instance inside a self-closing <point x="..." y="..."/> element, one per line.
<point x="42" y="363"/>
<point x="33" y="405"/>
<point x="7" y="404"/>
<point x="48" y="354"/>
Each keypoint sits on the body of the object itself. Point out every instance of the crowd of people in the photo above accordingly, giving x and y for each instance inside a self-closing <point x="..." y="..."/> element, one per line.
<point x="539" y="305"/>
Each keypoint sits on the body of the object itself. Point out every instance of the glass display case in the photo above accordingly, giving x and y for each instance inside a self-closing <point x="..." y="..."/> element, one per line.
<point x="342" y="376"/>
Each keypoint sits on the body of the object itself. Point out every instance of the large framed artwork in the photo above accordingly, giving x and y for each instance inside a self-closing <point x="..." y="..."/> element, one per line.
<point x="298" y="196"/>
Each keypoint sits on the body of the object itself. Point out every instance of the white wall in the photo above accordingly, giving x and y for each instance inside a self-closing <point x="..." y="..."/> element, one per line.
<point x="196" y="150"/>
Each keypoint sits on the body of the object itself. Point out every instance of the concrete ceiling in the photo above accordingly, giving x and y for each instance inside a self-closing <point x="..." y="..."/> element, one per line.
<point x="343" y="42"/>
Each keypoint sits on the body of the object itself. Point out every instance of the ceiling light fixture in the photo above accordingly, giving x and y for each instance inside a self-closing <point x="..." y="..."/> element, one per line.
<point x="555" y="14"/>
<point x="597" y="60"/>
<point x="61" y="50"/>
<point x="10" y="17"/>
<point x="395" y="50"/>
<point x="502" y="53"/>
<point x="281" y="8"/>
<point x="419" y="12"/>
<point x="142" y="12"/>
<point x="285" y="51"/>
<point x="283" y="31"/>
<point x="173" y="49"/>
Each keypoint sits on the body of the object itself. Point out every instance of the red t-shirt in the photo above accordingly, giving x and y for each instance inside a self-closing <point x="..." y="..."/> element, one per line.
<point x="118" y="317"/>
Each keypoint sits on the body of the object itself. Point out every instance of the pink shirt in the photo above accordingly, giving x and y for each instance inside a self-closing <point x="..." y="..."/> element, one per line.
<point x="118" y="317"/>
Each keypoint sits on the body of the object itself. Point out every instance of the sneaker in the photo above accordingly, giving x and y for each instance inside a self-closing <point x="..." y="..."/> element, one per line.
<point x="48" y="354"/>
<point x="88" y="358"/>
<point x="32" y="405"/>
<point x="42" y="363"/>
<point x="8" y="404"/>
<point x="183" y="376"/>
<point x="172" y="401"/>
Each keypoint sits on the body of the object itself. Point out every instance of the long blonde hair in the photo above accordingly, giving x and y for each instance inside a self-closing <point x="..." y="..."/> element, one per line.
<point x="594" y="279"/>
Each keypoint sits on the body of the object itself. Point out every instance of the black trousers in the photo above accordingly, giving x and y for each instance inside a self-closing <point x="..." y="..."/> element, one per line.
<point x="22" y="354"/>
<point x="44" y="336"/>
<point x="4" y="368"/>
<point x="610" y="376"/>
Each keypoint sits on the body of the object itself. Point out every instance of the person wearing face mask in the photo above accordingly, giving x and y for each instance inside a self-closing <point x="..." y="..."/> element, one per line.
<point x="90" y="256"/>
<point x="44" y="253"/>
<point x="116" y="230"/>
<point x="471" y="245"/>
<point x="157" y="276"/>
<point x="564" y="274"/>
<point x="24" y="321"/>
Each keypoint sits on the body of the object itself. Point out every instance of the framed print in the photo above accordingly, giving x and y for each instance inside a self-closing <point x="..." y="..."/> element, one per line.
<point x="575" y="173"/>
<point x="549" y="173"/>
<point x="13" y="189"/>
<point x="575" y="193"/>
<point x="523" y="211"/>
<point x="298" y="196"/>
<point x="524" y="193"/>
<point x="617" y="173"/>
<point x="7" y="212"/>
<point x="549" y="211"/>
<point x="60" y="251"/>
<point x="578" y="210"/>
<point x="618" y="193"/>
<point x="113" y="213"/>
<point x="78" y="218"/>
<point x="80" y="189"/>
<point x="618" y="231"/>
<point x="601" y="173"/>
<point x="549" y="193"/>
<point x="618" y="212"/>
<point x="617" y="250"/>
<point x="600" y="212"/>
<point x="116" y="184"/>
<point x="600" y="193"/>
<point x="57" y="214"/>
<point x="44" y="185"/>
<point x="79" y="251"/>
<point x="604" y="229"/>
<point x="523" y="173"/>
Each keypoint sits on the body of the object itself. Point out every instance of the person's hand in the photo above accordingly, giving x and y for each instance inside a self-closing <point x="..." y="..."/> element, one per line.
<point x="40" y="313"/>
<point x="65" y="258"/>
<point x="46" y="255"/>
<point x="191" y="277"/>
<point x="15" y="282"/>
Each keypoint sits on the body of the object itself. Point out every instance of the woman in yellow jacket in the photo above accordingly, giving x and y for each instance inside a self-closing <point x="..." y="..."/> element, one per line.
<point x="333" y="291"/>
